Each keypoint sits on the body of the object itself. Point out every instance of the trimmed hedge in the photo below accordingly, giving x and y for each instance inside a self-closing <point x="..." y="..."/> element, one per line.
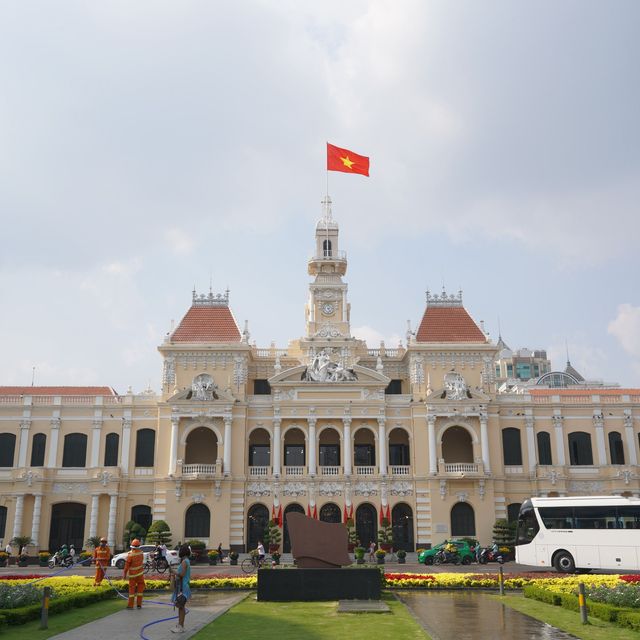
<point x="20" y="615"/>
<point x="629" y="618"/>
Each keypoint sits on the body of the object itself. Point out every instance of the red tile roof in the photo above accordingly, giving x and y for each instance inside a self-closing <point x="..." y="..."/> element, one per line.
<point x="207" y="324"/>
<point x="448" y="324"/>
<point x="57" y="391"/>
<point x="593" y="391"/>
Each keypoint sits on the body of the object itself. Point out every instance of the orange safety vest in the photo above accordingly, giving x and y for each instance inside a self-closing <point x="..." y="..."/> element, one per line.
<point x="134" y="564"/>
<point x="102" y="554"/>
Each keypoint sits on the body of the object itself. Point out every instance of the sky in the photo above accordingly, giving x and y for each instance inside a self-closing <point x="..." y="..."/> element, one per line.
<point x="149" y="147"/>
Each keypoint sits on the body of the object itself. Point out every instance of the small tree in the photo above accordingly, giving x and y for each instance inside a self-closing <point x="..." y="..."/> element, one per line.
<point x="351" y="529"/>
<point x="93" y="542"/>
<point x="503" y="533"/>
<point x="133" y="530"/>
<point x="385" y="534"/>
<point x="21" y="542"/>
<point x="159" y="532"/>
<point x="272" y="535"/>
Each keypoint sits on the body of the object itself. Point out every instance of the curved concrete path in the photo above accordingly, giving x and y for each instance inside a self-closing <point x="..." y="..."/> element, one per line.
<point x="466" y="615"/>
<point x="204" y="608"/>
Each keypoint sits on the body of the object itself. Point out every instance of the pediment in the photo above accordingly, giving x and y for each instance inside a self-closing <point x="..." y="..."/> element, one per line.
<point x="187" y="396"/>
<point x="295" y="376"/>
<point x="470" y="396"/>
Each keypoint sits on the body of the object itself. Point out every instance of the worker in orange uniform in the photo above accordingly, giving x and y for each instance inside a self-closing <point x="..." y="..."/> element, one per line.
<point x="133" y="568"/>
<point x="101" y="557"/>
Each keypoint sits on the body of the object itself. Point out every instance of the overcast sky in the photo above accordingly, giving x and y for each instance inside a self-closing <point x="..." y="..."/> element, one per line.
<point x="147" y="146"/>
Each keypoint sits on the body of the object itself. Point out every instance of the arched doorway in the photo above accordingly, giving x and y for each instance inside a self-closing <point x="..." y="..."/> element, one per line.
<point x="201" y="447"/>
<point x="463" y="520"/>
<point x="67" y="525"/>
<point x="330" y="512"/>
<point x="457" y="445"/>
<point x="141" y="514"/>
<point x="366" y="524"/>
<point x="286" y="542"/>
<point x="197" y="521"/>
<point x="402" y="527"/>
<point x="257" y="520"/>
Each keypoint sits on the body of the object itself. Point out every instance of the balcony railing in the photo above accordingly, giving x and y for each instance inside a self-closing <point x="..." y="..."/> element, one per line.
<point x="330" y="471"/>
<point x="199" y="470"/>
<point x="329" y="254"/>
<point x="259" y="471"/>
<point x="400" y="470"/>
<point x="461" y="467"/>
<point x="294" y="470"/>
<point x="365" y="471"/>
<point x="514" y="469"/>
<point x="143" y="471"/>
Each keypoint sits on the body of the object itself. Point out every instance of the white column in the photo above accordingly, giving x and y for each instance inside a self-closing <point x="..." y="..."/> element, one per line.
<point x="17" y="520"/>
<point x="433" y="454"/>
<point x="276" y="448"/>
<point x="24" y="443"/>
<point x="312" y="447"/>
<point x="126" y="444"/>
<point x="53" y="443"/>
<point x="630" y="437"/>
<point x="173" y="446"/>
<point x="347" y="457"/>
<point x="382" y="447"/>
<point x="484" y="442"/>
<point x="96" y="432"/>
<point x="113" y="508"/>
<point x="35" y="522"/>
<point x="557" y="424"/>
<point x="93" y="518"/>
<point x="226" y="463"/>
<point x="531" y="443"/>
<point x="598" y="423"/>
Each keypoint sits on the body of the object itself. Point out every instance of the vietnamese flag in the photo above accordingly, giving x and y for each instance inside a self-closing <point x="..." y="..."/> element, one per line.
<point x="315" y="511"/>
<point x="280" y="516"/>
<point x="346" y="161"/>
<point x="308" y="511"/>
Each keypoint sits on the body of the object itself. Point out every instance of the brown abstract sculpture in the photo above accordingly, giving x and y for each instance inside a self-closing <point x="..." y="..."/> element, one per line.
<point x="317" y="545"/>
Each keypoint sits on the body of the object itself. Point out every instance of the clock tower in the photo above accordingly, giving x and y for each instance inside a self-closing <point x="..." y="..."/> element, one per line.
<point x="327" y="310"/>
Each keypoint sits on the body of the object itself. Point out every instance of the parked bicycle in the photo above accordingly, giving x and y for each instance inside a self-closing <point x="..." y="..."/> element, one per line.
<point x="154" y="565"/>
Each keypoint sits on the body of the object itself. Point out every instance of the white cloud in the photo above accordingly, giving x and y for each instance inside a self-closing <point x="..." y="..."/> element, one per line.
<point x="179" y="241"/>
<point x="625" y="327"/>
<point x="587" y="360"/>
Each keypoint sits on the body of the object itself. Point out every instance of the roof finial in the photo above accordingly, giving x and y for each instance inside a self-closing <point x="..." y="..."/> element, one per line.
<point x="326" y="208"/>
<point x="566" y="346"/>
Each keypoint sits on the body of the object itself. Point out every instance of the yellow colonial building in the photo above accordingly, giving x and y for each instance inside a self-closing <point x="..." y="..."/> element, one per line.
<point x="326" y="426"/>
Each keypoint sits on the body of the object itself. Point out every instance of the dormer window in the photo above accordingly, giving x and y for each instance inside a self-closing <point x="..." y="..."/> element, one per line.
<point x="326" y="248"/>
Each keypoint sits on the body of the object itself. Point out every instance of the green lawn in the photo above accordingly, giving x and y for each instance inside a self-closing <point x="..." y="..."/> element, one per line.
<point x="568" y="621"/>
<point x="312" y="621"/>
<point x="62" y="621"/>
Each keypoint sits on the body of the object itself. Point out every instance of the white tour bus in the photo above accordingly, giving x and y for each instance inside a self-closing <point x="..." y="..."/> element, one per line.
<point x="580" y="533"/>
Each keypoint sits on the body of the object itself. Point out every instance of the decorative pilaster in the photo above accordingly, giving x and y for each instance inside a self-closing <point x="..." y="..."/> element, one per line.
<point x="433" y="454"/>
<point x="484" y="442"/>
<point x="35" y="521"/>
<point x="53" y="442"/>
<point x="25" y="425"/>
<point x="348" y="457"/>
<point x="557" y="425"/>
<point x="630" y="437"/>
<point x="277" y="447"/>
<point x="173" y="445"/>
<point x="382" y="446"/>
<point x="17" y="520"/>
<point x="93" y="518"/>
<point x="312" y="446"/>
<point x="96" y="432"/>
<point x="113" y="509"/>
<point x="598" y="423"/>
<point x="531" y="442"/>
<point x="126" y="444"/>
<point x="226" y="462"/>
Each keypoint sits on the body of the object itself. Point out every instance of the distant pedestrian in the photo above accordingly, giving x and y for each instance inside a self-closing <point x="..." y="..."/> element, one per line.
<point x="220" y="551"/>
<point x="8" y="550"/>
<point x="181" y="587"/>
<point x="372" y="551"/>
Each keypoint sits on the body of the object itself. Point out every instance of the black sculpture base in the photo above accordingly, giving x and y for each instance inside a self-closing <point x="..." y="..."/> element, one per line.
<point x="282" y="585"/>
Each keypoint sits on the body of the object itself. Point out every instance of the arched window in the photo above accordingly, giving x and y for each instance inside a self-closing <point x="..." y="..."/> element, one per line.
<point x="463" y="520"/>
<point x="286" y="541"/>
<point x="7" y="449"/>
<point x="544" y="448"/>
<point x="616" y="450"/>
<point x="257" y="520"/>
<point x="259" y="448"/>
<point x="330" y="513"/>
<point x="457" y="445"/>
<point x="75" y="450"/>
<point x="512" y="511"/>
<point x="511" y="449"/>
<point x="326" y="248"/>
<point x="364" y="448"/>
<point x="3" y="521"/>
<point x="67" y="524"/>
<point x="580" y="452"/>
<point x="111" y="450"/>
<point x="145" y="447"/>
<point x="141" y="514"/>
<point x="402" y="527"/>
<point x="38" y="445"/>
<point x="366" y="524"/>
<point x="197" y="521"/>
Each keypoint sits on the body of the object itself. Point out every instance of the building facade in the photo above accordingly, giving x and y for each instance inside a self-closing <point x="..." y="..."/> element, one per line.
<point x="326" y="426"/>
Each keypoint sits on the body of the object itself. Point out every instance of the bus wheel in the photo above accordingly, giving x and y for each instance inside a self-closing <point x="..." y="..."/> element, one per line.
<point x="564" y="563"/>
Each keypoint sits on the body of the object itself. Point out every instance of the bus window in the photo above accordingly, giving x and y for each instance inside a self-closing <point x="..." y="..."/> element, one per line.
<point x="528" y="526"/>
<point x="629" y="517"/>
<point x="595" y="517"/>
<point x="557" y="517"/>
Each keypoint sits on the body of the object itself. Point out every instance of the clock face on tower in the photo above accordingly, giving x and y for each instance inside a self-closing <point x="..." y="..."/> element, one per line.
<point x="327" y="309"/>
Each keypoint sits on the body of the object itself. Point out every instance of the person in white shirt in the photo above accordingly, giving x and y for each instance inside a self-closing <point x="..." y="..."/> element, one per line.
<point x="8" y="549"/>
<point x="261" y="554"/>
<point x="163" y="550"/>
<point x="72" y="553"/>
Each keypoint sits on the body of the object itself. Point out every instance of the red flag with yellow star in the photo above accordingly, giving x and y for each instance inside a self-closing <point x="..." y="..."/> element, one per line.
<point x="346" y="161"/>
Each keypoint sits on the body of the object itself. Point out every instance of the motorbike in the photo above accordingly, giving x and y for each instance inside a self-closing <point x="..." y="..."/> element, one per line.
<point x="58" y="561"/>
<point x="487" y="555"/>
<point x="445" y="557"/>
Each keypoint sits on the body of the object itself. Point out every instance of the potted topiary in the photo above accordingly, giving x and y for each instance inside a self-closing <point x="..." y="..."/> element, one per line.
<point x="233" y="557"/>
<point x="275" y="556"/>
<point x="213" y="556"/>
<point x="380" y="554"/>
<point x="273" y="536"/>
<point x="43" y="558"/>
<point x="4" y="558"/>
<point x="198" y="550"/>
<point x="359" y="554"/>
<point x="385" y="535"/>
<point x="351" y="531"/>
<point x="402" y="556"/>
